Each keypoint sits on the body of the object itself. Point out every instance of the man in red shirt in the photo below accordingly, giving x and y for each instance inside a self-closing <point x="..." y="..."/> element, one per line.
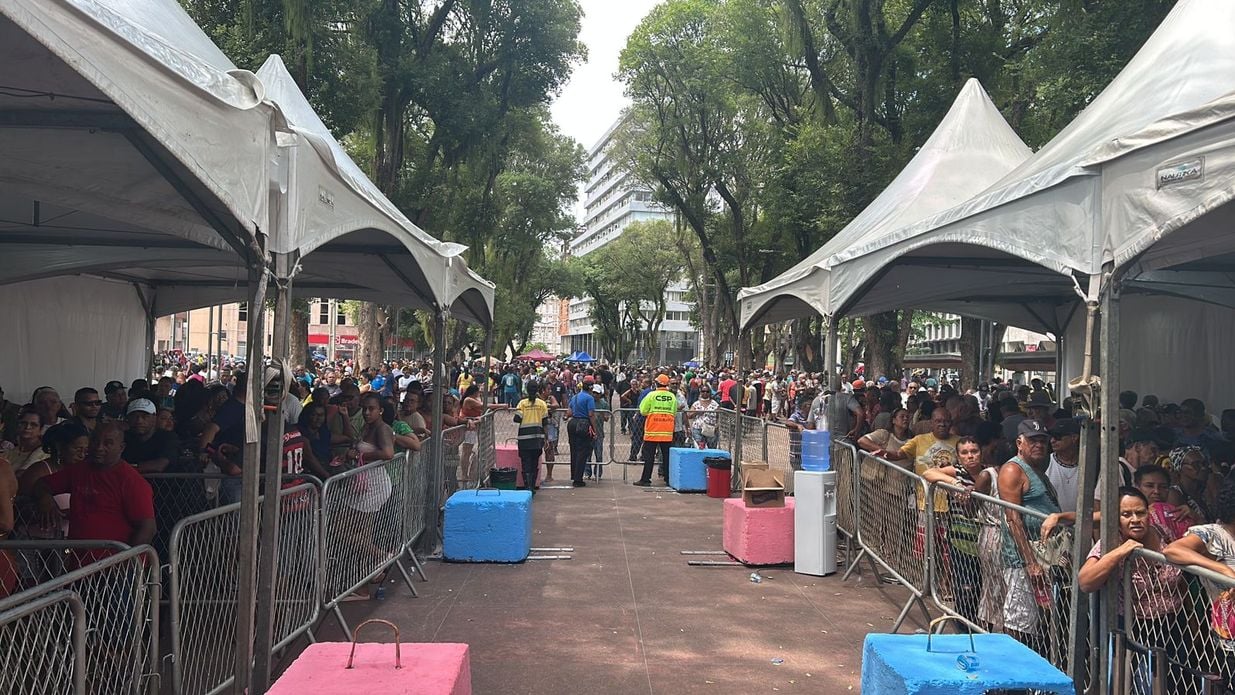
<point x="109" y="499"/>
<point x="726" y="391"/>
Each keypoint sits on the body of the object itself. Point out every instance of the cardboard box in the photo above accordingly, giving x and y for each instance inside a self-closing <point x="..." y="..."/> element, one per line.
<point x="762" y="487"/>
<point x="754" y="465"/>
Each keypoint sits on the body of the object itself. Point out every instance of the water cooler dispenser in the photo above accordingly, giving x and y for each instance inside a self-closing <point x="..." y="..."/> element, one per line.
<point x="814" y="522"/>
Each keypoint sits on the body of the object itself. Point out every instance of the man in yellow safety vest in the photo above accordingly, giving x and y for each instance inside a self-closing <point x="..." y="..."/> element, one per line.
<point x="658" y="409"/>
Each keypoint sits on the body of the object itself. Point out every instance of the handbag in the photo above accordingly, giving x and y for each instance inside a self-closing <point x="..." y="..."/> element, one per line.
<point x="707" y="430"/>
<point x="1054" y="551"/>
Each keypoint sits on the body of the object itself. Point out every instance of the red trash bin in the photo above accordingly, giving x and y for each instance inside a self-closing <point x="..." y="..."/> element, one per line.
<point x="720" y="476"/>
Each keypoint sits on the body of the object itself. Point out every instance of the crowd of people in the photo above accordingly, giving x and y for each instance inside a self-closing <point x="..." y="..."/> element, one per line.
<point x="87" y="468"/>
<point x="1016" y="444"/>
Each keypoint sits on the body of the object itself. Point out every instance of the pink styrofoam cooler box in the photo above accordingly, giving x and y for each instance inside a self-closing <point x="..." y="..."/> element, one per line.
<point x="758" y="535"/>
<point x="427" y="669"/>
<point x="508" y="457"/>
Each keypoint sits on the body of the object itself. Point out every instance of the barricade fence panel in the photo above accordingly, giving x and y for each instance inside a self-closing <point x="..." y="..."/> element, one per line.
<point x="486" y="448"/>
<point x="625" y="431"/>
<point x="362" y="526"/>
<point x="782" y="449"/>
<point x="119" y="595"/>
<point x="44" y="644"/>
<point x="892" y="519"/>
<point x="204" y="554"/>
<point x="845" y="462"/>
<point x="1177" y="623"/>
<point x="978" y="572"/>
<point x="454" y="475"/>
<point x="30" y="563"/>
<point x="416" y="495"/>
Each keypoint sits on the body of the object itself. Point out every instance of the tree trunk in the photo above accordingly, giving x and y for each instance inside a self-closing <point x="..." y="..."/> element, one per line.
<point x="369" y="325"/>
<point x="298" y="341"/>
<point x="1001" y="329"/>
<point x="971" y="331"/>
<point x="886" y="336"/>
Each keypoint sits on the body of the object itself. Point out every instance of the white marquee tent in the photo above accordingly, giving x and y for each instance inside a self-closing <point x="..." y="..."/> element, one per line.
<point x="1137" y="185"/>
<point x="142" y="172"/>
<point x="136" y="178"/>
<point x="972" y="147"/>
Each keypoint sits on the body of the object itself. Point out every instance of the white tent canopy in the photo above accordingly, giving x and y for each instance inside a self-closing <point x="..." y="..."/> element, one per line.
<point x="1146" y="159"/>
<point x="972" y="147"/>
<point x="332" y="198"/>
<point x="134" y="151"/>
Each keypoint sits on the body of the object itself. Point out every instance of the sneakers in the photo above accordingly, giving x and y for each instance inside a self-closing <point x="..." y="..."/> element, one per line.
<point x="642" y="483"/>
<point x="579" y="483"/>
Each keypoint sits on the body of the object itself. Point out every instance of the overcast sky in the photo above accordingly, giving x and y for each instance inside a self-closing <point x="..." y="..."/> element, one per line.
<point x="592" y="99"/>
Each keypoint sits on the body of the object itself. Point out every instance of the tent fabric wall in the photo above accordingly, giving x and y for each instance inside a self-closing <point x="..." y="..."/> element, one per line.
<point x="70" y="332"/>
<point x="1172" y="347"/>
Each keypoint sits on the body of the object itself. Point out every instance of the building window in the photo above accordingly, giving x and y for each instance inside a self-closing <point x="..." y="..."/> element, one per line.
<point x="323" y="313"/>
<point x="243" y="313"/>
<point x="340" y="317"/>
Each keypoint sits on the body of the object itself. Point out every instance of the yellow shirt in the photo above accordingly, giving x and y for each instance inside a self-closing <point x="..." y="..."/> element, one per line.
<point x="926" y="451"/>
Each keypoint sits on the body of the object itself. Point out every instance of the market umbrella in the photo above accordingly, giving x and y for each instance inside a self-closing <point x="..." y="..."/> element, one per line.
<point x="582" y="356"/>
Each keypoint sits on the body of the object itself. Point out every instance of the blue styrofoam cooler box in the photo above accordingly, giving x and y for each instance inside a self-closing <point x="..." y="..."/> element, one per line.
<point x="687" y="473"/>
<point x="488" y="526"/>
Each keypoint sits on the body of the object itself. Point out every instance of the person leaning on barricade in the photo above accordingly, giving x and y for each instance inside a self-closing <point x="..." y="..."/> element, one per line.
<point x="1158" y="589"/>
<point x="975" y="557"/>
<point x="1212" y="546"/>
<point x="1022" y="481"/>
<point x="110" y="499"/>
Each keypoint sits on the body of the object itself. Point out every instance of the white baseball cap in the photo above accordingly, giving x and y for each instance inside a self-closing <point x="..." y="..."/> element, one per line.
<point x="140" y="405"/>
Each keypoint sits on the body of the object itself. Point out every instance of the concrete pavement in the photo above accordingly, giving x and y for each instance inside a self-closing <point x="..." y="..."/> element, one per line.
<point x="627" y="614"/>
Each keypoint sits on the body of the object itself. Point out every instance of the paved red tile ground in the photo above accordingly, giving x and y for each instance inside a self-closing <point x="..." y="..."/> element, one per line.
<point x="627" y="614"/>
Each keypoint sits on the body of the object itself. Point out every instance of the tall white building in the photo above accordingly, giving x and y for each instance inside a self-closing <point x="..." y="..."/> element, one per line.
<point x="611" y="201"/>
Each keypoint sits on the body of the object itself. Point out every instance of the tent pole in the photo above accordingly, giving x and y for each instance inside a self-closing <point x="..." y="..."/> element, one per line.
<point x="1082" y="655"/>
<point x="829" y="351"/>
<point x="1108" y="468"/>
<point x="268" y="569"/>
<point x="209" y="341"/>
<point x="246" y="594"/>
<point x="488" y="348"/>
<point x="1059" y="380"/>
<point x="150" y="351"/>
<point x="435" y="479"/>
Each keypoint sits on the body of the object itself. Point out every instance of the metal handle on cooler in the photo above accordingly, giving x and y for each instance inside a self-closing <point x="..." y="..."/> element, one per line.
<point x="387" y="623"/>
<point x="930" y="631"/>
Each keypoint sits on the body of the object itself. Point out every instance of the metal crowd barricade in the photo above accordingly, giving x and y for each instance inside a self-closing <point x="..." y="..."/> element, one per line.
<point x="453" y="475"/>
<point x="203" y="554"/>
<point x="364" y="529"/>
<point x="728" y="425"/>
<point x="44" y="644"/>
<point x="891" y="528"/>
<point x="625" y="433"/>
<point x="844" y="462"/>
<point x="782" y="449"/>
<point x="970" y="546"/>
<point x="1168" y="642"/>
<point x="119" y="595"/>
<point x="486" y="446"/>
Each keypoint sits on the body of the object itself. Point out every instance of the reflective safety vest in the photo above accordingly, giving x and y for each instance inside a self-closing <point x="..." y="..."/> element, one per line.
<point x="658" y="407"/>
